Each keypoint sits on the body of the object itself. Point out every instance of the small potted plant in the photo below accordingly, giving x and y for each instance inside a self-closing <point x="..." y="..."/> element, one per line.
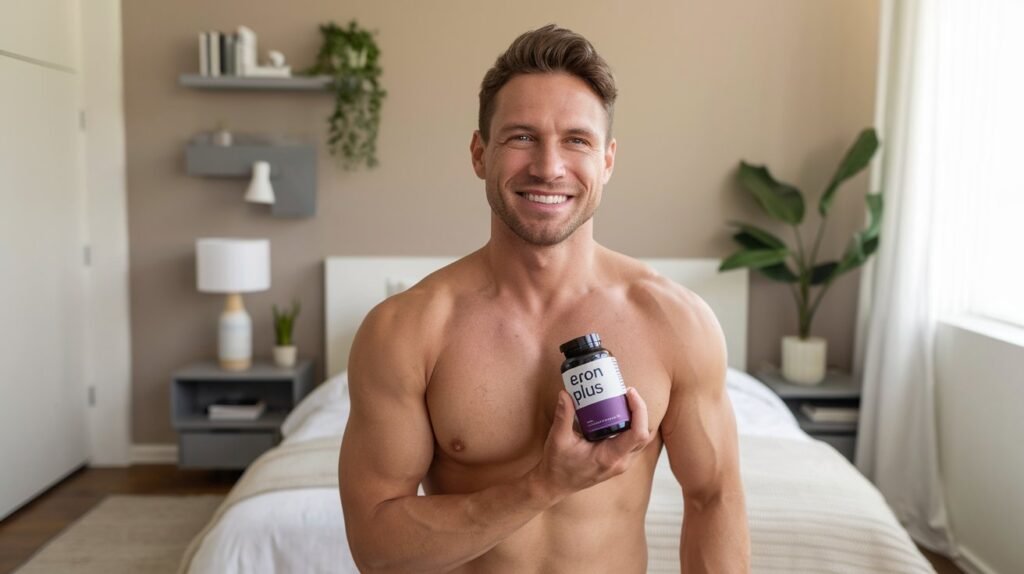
<point x="284" y="325"/>
<point x="803" y="356"/>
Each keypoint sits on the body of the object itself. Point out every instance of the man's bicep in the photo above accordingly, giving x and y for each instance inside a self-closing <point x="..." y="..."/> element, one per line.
<point x="700" y="428"/>
<point x="702" y="446"/>
<point x="388" y="442"/>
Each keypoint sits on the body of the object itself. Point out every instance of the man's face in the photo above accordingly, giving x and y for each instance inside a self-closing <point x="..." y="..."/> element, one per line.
<point x="547" y="159"/>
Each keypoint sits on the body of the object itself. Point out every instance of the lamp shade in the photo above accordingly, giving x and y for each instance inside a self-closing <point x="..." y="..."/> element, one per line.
<point x="232" y="265"/>
<point x="260" y="190"/>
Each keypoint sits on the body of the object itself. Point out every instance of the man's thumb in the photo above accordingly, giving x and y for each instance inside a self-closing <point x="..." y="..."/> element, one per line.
<point x="563" y="414"/>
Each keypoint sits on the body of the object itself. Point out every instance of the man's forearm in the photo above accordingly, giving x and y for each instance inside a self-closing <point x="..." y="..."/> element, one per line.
<point x="715" y="536"/>
<point x="442" y="532"/>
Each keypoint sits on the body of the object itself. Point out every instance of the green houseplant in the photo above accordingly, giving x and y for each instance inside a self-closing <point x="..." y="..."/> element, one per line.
<point x="809" y="279"/>
<point x="350" y="55"/>
<point x="284" y="325"/>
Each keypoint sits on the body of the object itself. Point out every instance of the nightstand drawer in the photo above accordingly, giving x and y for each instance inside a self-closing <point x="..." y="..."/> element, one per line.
<point x="846" y="444"/>
<point x="230" y="450"/>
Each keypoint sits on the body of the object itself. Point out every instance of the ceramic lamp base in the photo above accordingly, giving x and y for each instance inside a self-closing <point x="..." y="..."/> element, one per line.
<point x="235" y="364"/>
<point x="234" y="337"/>
<point x="803" y="360"/>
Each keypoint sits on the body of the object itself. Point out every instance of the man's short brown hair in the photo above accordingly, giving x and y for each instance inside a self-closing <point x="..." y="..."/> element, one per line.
<point x="546" y="50"/>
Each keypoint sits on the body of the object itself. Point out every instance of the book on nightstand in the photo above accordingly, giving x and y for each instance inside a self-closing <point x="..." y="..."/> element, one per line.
<point x="236" y="409"/>
<point x="820" y="414"/>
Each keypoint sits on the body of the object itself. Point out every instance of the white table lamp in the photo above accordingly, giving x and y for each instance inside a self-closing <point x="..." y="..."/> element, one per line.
<point x="233" y="266"/>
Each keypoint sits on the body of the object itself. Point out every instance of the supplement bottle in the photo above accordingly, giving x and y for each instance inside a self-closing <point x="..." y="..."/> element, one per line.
<point x="591" y="377"/>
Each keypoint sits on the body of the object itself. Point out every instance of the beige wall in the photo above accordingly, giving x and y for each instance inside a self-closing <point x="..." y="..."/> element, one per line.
<point x="702" y="84"/>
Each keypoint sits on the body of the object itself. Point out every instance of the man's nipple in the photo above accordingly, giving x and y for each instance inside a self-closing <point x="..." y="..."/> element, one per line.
<point x="458" y="445"/>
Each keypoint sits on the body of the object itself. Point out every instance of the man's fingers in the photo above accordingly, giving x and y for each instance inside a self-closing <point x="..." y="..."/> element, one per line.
<point x="639" y="434"/>
<point x="638" y="413"/>
<point x="562" y="425"/>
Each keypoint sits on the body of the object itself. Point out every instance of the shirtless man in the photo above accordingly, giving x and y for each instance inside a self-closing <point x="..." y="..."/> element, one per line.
<point x="455" y="383"/>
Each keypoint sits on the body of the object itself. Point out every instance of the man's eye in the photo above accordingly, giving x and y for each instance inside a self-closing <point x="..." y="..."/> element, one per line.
<point x="522" y="138"/>
<point x="578" y="141"/>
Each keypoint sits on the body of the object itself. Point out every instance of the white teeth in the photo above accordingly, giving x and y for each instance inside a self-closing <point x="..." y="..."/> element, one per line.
<point x="547" y="198"/>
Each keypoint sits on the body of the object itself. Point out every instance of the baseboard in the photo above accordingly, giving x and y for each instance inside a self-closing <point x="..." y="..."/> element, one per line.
<point x="154" y="453"/>
<point x="971" y="564"/>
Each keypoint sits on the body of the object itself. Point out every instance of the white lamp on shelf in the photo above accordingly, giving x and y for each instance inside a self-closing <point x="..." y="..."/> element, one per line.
<point x="233" y="266"/>
<point x="260" y="190"/>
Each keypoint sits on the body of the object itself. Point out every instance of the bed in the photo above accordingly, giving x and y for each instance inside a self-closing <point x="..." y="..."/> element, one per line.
<point x="809" y="510"/>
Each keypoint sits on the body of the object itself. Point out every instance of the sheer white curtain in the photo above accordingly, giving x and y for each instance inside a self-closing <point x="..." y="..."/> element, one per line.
<point x="948" y="119"/>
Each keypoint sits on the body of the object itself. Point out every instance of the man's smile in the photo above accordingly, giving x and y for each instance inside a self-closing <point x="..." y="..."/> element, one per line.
<point x="546" y="198"/>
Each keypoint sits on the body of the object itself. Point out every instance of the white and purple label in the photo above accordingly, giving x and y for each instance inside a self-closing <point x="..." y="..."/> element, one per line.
<point x="598" y="393"/>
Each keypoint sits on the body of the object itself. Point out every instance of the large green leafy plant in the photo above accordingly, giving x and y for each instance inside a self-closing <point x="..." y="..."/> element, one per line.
<point x="764" y="252"/>
<point x="350" y="55"/>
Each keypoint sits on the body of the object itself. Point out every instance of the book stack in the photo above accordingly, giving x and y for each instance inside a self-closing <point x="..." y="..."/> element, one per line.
<point x="218" y="54"/>
<point x="234" y="54"/>
<point x="236" y="409"/>
<point x="822" y="414"/>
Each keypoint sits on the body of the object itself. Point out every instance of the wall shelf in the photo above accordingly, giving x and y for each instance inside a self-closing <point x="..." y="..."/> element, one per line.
<point x="294" y="83"/>
<point x="292" y="167"/>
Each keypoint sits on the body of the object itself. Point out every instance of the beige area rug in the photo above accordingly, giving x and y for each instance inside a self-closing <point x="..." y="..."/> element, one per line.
<point x="136" y="534"/>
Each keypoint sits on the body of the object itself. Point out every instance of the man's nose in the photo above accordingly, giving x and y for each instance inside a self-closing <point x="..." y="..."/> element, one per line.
<point x="548" y="163"/>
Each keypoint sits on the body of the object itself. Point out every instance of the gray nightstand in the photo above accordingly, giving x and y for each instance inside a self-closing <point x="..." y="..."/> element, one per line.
<point x="233" y="444"/>
<point x="838" y="389"/>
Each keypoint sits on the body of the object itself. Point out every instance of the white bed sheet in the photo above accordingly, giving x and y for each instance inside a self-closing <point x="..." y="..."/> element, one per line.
<point x="303" y="530"/>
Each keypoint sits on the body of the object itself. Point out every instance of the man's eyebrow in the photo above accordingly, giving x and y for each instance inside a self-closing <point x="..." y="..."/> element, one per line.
<point x="517" y="128"/>
<point x="528" y="128"/>
<point x="581" y="132"/>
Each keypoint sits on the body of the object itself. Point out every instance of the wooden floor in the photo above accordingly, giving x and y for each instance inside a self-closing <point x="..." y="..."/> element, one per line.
<point x="33" y="525"/>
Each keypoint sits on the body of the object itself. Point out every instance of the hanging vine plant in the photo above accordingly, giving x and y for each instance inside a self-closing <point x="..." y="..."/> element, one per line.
<point x="350" y="55"/>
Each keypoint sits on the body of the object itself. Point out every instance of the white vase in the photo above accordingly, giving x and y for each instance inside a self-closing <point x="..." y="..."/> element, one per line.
<point x="803" y="360"/>
<point x="285" y="356"/>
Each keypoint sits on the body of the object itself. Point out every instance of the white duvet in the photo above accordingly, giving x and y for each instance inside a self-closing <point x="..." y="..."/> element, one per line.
<point x="809" y="509"/>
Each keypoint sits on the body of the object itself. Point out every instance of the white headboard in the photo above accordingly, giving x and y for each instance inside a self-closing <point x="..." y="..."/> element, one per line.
<point x="354" y="285"/>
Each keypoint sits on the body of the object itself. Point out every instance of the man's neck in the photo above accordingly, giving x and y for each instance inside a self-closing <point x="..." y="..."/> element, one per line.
<point x="541" y="277"/>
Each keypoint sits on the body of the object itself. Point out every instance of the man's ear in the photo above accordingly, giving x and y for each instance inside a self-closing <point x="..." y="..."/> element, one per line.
<point x="609" y="160"/>
<point x="476" y="152"/>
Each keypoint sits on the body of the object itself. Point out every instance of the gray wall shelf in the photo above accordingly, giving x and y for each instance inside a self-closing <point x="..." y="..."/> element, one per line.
<point x="294" y="83"/>
<point x="292" y="167"/>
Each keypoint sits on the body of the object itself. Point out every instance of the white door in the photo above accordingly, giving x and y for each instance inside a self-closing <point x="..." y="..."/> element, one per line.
<point x="42" y="403"/>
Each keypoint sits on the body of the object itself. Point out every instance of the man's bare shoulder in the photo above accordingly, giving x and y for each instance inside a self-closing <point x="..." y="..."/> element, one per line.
<point x="656" y="295"/>
<point x="411" y="323"/>
<point x="679" y="319"/>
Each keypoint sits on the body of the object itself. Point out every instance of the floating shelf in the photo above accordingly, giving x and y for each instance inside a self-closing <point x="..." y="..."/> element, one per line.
<point x="292" y="167"/>
<point x="294" y="83"/>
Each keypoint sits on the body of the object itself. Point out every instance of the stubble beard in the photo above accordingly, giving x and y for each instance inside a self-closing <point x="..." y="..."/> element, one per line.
<point x="545" y="235"/>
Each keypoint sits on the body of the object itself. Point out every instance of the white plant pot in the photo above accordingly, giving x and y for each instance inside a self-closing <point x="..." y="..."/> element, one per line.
<point x="285" y="356"/>
<point x="803" y="360"/>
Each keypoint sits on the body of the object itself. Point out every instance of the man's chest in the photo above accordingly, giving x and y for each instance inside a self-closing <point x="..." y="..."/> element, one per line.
<point x="493" y="389"/>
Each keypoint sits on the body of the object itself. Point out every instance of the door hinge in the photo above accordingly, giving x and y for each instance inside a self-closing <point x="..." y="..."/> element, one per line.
<point x="92" y="395"/>
<point x="81" y="120"/>
<point x="87" y="255"/>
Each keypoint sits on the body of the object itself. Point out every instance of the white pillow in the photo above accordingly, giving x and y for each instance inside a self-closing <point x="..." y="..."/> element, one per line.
<point x="332" y="393"/>
<point x="758" y="410"/>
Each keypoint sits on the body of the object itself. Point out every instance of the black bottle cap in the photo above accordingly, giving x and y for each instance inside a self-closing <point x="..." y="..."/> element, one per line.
<point x="585" y="343"/>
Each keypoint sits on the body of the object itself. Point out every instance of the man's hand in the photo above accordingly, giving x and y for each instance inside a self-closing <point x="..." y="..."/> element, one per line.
<point x="571" y="463"/>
